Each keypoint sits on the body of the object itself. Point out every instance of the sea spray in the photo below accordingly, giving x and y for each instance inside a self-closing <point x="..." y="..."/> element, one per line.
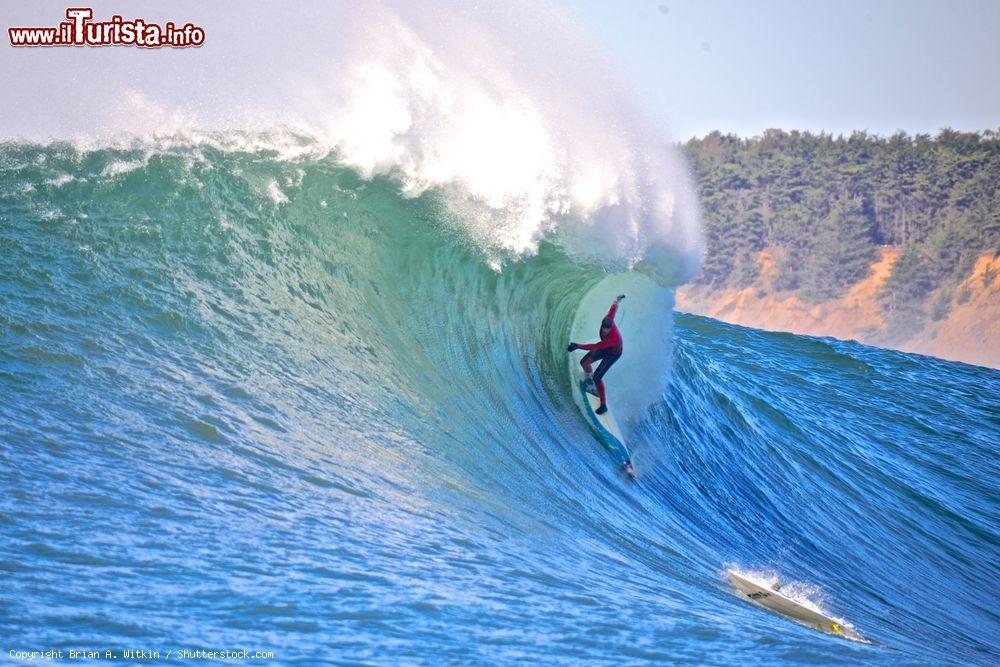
<point x="505" y="110"/>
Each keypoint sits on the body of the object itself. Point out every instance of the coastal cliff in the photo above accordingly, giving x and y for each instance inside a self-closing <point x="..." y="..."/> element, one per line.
<point x="960" y="324"/>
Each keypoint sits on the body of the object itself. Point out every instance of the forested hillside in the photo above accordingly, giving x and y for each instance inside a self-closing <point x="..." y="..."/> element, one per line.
<point x="823" y="205"/>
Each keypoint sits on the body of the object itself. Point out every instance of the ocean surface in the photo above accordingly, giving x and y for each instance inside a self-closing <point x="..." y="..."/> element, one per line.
<point x="257" y="402"/>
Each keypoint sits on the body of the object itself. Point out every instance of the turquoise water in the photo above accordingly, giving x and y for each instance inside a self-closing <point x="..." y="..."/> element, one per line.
<point x="251" y="402"/>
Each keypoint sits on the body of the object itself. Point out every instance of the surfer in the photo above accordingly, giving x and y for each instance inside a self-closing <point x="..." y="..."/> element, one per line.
<point x="608" y="350"/>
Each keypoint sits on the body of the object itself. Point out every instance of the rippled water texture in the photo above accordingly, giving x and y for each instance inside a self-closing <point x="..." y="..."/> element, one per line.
<point x="248" y="402"/>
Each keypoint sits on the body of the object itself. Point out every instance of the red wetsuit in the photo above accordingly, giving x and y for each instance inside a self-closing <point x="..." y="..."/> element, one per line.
<point x="613" y="341"/>
<point x="608" y="350"/>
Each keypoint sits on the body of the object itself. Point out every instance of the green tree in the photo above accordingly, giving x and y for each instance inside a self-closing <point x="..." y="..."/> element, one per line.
<point x="840" y="254"/>
<point x="822" y="204"/>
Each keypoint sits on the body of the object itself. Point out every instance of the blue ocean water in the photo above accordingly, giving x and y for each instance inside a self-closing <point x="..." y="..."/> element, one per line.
<point x="249" y="402"/>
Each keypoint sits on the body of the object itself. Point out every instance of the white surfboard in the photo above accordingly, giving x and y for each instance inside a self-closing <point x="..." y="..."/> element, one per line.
<point x="605" y="426"/>
<point x="781" y="604"/>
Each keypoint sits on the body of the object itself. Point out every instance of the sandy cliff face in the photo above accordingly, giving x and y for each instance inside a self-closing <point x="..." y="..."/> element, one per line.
<point x="970" y="332"/>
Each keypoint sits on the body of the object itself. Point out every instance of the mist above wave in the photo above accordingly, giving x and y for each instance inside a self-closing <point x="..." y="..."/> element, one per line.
<point x="504" y="110"/>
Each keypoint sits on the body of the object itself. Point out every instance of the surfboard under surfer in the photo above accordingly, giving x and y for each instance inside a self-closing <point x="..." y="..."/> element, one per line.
<point x="608" y="350"/>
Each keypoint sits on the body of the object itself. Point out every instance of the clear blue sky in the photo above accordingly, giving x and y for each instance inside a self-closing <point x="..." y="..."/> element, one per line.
<point x="835" y="65"/>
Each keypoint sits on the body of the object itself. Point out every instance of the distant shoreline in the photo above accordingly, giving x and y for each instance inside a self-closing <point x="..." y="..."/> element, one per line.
<point x="970" y="332"/>
<point x="888" y="240"/>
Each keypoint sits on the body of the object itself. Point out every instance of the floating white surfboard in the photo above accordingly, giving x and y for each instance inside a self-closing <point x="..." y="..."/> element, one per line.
<point x="781" y="604"/>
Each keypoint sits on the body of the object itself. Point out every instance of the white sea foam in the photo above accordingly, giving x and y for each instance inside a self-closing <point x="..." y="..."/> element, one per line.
<point x="526" y="136"/>
<point x="275" y="193"/>
<point x="119" y="167"/>
<point x="60" y="180"/>
<point x="503" y="109"/>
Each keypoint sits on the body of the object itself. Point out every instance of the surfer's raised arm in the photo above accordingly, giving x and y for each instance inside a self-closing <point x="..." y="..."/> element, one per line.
<point x="614" y="307"/>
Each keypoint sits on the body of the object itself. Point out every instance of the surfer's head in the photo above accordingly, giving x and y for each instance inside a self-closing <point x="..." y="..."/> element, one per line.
<point x="606" y="325"/>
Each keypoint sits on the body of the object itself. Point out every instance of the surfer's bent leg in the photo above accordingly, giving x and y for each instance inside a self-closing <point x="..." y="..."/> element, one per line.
<point x="602" y="368"/>
<point x="586" y="363"/>
<point x="606" y="363"/>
